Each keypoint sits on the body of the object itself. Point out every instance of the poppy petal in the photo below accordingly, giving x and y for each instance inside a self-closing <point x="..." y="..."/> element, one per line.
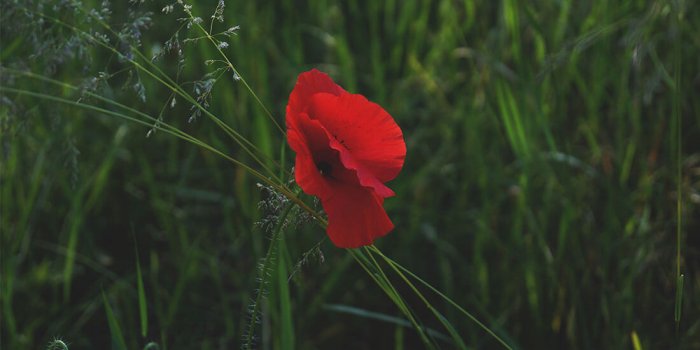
<point x="315" y="146"/>
<point x="365" y="129"/>
<point x="355" y="216"/>
<point x="364" y="176"/>
<point x="305" y="171"/>
<point x="308" y="84"/>
<point x="306" y="140"/>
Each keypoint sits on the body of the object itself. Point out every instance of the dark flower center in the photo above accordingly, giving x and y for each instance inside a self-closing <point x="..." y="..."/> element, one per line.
<point x="324" y="168"/>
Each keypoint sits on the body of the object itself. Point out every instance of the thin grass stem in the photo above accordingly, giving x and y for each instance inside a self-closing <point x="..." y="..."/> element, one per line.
<point x="381" y="279"/>
<point x="443" y="296"/>
<point x="438" y="315"/>
<point x="276" y="232"/>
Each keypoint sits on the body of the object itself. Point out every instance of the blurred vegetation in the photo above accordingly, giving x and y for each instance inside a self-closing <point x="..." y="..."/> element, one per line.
<point x="550" y="147"/>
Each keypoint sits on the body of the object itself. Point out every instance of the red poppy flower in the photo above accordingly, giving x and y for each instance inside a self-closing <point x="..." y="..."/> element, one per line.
<point x="347" y="149"/>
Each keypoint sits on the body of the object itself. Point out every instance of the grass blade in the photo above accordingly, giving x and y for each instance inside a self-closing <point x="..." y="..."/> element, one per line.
<point x="265" y="268"/>
<point x="448" y="326"/>
<point x="118" y="342"/>
<point x="285" y="301"/>
<point x="143" y="308"/>
<point x="398" y="267"/>
<point x="351" y="310"/>
<point x="676" y="110"/>
<point x="377" y="274"/>
<point x="636" y="344"/>
<point x="679" y="300"/>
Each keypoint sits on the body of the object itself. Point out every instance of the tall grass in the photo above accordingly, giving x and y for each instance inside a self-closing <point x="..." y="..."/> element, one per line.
<point x="550" y="190"/>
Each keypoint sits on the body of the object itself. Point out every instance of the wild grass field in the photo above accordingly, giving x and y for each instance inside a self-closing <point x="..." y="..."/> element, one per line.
<point x="551" y="188"/>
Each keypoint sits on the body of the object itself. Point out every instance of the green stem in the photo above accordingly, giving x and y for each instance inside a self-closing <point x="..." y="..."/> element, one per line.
<point x="438" y="315"/>
<point x="676" y="110"/>
<point x="279" y="226"/>
<point x="398" y="267"/>
<point x="383" y="281"/>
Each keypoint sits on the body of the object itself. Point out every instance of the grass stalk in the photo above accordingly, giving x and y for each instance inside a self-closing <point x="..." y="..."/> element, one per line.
<point x="266" y="265"/>
<point x="398" y="268"/>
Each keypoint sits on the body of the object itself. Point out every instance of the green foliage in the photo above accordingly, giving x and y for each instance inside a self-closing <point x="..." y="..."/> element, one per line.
<point x="550" y="194"/>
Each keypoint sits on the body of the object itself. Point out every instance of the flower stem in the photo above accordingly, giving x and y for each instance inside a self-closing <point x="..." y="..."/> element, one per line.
<point x="266" y="265"/>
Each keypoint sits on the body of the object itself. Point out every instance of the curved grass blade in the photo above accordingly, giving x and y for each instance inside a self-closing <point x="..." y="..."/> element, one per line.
<point x="397" y="267"/>
<point x="383" y="282"/>
<point x="448" y="326"/>
<point x="351" y="310"/>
